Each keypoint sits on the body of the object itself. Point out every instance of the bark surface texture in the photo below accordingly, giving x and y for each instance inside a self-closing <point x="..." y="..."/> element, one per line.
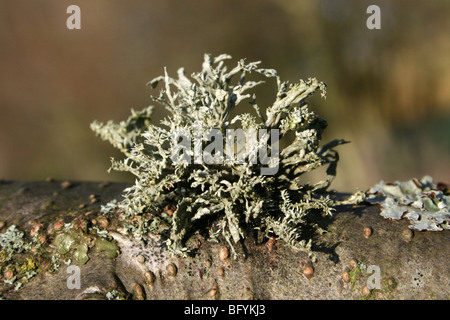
<point x="357" y="243"/>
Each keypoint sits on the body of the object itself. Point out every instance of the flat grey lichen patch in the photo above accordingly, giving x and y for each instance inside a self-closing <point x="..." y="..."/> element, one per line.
<point x="149" y="256"/>
<point x="421" y="202"/>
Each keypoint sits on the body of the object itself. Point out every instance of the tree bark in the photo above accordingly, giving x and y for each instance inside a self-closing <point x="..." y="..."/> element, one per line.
<point x="360" y="256"/>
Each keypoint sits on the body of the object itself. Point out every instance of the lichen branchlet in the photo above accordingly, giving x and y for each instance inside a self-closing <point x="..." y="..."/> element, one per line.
<point x="230" y="190"/>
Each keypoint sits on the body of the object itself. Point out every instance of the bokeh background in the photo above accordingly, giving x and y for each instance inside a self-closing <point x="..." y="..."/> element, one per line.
<point x="388" y="89"/>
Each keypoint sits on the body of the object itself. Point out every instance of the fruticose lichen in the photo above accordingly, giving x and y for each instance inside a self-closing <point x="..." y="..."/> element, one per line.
<point x="421" y="201"/>
<point x="228" y="195"/>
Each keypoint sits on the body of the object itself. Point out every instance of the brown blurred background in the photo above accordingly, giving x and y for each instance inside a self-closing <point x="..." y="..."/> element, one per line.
<point x="388" y="89"/>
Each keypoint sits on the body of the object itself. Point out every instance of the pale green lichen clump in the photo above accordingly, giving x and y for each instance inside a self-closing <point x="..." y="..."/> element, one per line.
<point x="234" y="194"/>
